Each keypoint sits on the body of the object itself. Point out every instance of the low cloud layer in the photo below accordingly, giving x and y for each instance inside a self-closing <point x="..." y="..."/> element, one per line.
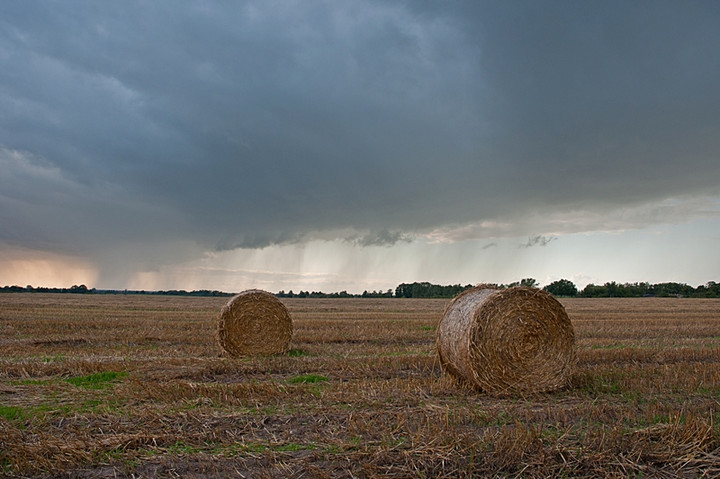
<point x="138" y="134"/>
<point x="538" y="240"/>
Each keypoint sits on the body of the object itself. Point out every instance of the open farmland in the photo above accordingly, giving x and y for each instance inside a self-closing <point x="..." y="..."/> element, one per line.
<point x="113" y="386"/>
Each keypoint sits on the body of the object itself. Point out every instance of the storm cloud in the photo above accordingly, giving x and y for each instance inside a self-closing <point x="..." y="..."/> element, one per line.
<point x="538" y="240"/>
<point x="145" y="133"/>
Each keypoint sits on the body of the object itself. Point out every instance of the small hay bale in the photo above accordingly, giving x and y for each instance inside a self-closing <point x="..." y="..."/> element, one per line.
<point x="516" y="340"/>
<point x="254" y="322"/>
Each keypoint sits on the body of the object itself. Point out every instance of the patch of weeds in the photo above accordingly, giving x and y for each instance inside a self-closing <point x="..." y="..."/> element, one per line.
<point x="355" y="443"/>
<point x="610" y="387"/>
<point x="34" y="382"/>
<point x="269" y="410"/>
<point x="708" y="390"/>
<point x="483" y="418"/>
<point x="602" y="386"/>
<point x="99" y="406"/>
<point x="41" y="412"/>
<point x="428" y="328"/>
<point x="661" y="419"/>
<point x="6" y="466"/>
<point x="97" y="380"/>
<point x="551" y="433"/>
<point x="634" y="396"/>
<point x="93" y="404"/>
<point x="257" y="448"/>
<point x="610" y="346"/>
<point x="227" y="451"/>
<point x="395" y="442"/>
<point x="503" y="419"/>
<point x="13" y="413"/>
<point x="308" y="379"/>
<point x="182" y="448"/>
<point x="298" y="353"/>
<point x="594" y="385"/>
<point x="316" y="390"/>
<point x="254" y="447"/>
<point x="293" y="446"/>
<point x="57" y="358"/>
<point x="118" y="455"/>
<point x="677" y="418"/>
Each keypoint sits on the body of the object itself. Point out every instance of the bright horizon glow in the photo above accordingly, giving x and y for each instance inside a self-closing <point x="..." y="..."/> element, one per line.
<point x="333" y="266"/>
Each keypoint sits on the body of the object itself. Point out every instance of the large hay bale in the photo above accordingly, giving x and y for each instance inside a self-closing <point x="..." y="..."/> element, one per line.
<point x="254" y="322"/>
<point x="516" y="340"/>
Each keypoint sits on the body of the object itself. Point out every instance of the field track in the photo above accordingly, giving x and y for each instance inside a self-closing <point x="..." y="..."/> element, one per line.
<point x="136" y="386"/>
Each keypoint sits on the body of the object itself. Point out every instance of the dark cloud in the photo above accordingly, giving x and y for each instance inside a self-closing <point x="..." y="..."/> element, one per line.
<point x="240" y="126"/>
<point x="380" y="238"/>
<point x="538" y="240"/>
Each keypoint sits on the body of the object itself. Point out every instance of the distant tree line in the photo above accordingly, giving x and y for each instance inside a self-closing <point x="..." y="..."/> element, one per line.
<point x="341" y="294"/>
<point x="409" y="290"/>
<point x="428" y="290"/>
<point x="636" y="290"/>
<point x="562" y="288"/>
<point x="404" y="290"/>
<point x="82" y="289"/>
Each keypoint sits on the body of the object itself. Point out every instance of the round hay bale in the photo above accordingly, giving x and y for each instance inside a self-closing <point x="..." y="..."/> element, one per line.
<point x="516" y="340"/>
<point x="254" y="322"/>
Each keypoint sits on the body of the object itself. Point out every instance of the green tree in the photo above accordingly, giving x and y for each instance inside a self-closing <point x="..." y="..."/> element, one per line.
<point x="594" y="291"/>
<point x="562" y="287"/>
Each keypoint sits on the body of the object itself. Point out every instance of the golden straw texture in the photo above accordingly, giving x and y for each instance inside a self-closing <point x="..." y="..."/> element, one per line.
<point x="516" y="340"/>
<point x="254" y="322"/>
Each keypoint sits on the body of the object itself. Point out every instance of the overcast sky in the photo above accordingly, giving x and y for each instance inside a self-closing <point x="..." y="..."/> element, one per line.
<point x="352" y="145"/>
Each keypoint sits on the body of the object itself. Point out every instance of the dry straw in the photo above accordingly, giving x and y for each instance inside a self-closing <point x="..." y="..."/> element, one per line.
<point x="254" y="322"/>
<point x="516" y="340"/>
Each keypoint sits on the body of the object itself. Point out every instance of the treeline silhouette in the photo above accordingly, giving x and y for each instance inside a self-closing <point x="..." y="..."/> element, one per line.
<point x="636" y="290"/>
<point x="563" y="288"/>
<point x="82" y="289"/>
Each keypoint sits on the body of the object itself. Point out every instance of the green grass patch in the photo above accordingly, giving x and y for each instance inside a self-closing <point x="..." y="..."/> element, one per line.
<point x="611" y="346"/>
<point x="593" y="384"/>
<point x="333" y="449"/>
<point x="293" y="446"/>
<point x="180" y="448"/>
<point x="605" y="386"/>
<point x="34" y="382"/>
<point x="99" y="406"/>
<point x="254" y="448"/>
<point x="57" y="358"/>
<point x="12" y="413"/>
<point x="297" y="353"/>
<point x="97" y="380"/>
<point x="308" y="379"/>
<point x="428" y="328"/>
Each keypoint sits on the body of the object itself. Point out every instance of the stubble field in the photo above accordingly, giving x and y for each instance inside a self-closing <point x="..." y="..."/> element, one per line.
<point x="135" y="386"/>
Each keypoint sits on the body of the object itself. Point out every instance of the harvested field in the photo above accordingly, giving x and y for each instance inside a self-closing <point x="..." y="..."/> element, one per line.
<point x="136" y="386"/>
